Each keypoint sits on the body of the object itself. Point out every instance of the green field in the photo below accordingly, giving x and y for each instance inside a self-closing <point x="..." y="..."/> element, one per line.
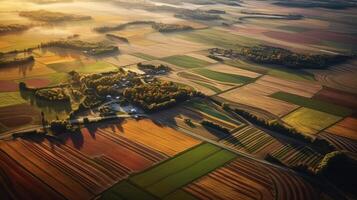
<point x="181" y="170"/>
<point x="313" y="104"/>
<point x="180" y="195"/>
<point x="57" y="78"/>
<point x="81" y="67"/>
<point x="192" y="76"/>
<point x="248" y="66"/>
<point x="310" y="121"/>
<point x="186" y="61"/>
<point x="66" y="66"/>
<point x="10" y="98"/>
<point x="209" y="110"/>
<point x="340" y="46"/>
<point x="297" y="29"/>
<point x="144" y="56"/>
<point x="220" y="38"/>
<point x="126" y="190"/>
<point x="288" y="74"/>
<point x="211" y="87"/>
<point x="223" y="77"/>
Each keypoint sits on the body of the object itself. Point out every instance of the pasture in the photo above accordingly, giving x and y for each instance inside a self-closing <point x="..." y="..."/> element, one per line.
<point x="233" y="70"/>
<point x="186" y="61"/>
<point x="223" y="77"/>
<point x="10" y="98"/>
<point x="279" y="72"/>
<point x="183" y="169"/>
<point x="82" y="66"/>
<point x="144" y="56"/>
<point x="310" y="121"/>
<point x="211" y="87"/>
<point x="313" y="104"/>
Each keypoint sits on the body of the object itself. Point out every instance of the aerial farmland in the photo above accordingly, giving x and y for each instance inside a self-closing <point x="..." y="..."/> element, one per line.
<point x="178" y="99"/>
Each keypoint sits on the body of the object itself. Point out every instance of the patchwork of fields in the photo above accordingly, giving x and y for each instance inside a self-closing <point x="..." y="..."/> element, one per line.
<point x="198" y="149"/>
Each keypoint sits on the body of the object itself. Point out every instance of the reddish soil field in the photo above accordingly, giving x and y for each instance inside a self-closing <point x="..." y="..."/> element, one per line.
<point x="248" y="179"/>
<point x="341" y="143"/>
<point x="337" y="97"/>
<point x="17" y="183"/>
<point x="234" y="181"/>
<point x="38" y="82"/>
<point x="99" y="143"/>
<point x="13" y="122"/>
<point x="311" y="37"/>
<point x="345" y="128"/>
<point x="292" y="37"/>
<point x="331" y="36"/>
<point x="157" y="136"/>
<point x="8" y="86"/>
<point x="65" y="169"/>
<point x="19" y="115"/>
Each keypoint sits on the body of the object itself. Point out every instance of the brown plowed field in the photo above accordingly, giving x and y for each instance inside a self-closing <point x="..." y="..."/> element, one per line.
<point x="17" y="183"/>
<point x="8" y="86"/>
<point x="95" y="144"/>
<point x="248" y="179"/>
<point x="161" y="138"/>
<point x="345" y="128"/>
<point x="337" y="97"/>
<point x="19" y="115"/>
<point x="37" y="82"/>
<point x="341" y="143"/>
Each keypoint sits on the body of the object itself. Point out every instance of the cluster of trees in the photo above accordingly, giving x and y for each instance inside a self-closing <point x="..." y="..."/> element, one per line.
<point x="47" y="16"/>
<point x="197" y="14"/>
<point x="279" y="56"/>
<point x="273" y="16"/>
<point x="340" y="168"/>
<point x="215" y="58"/>
<point x="158" y="95"/>
<point x="110" y="79"/>
<point x="149" y="68"/>
<point x="330" y="4"/>
<point x="123" y="39"/>
<point x="15" y="61"/>
<point x="23" y="87"/>
<point x="13" y="28"/>
<point x="91" y="48"/>
<point x="204" y="2"/>
<point x="214" y="11"/>
<point x="215" y="126"/>
<point x="62" y="126"/>
<point x="104" y="29"/>
<point x="166" y="28"/>
<point x="161" y="27"/>
<point x="52" y="94"/>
